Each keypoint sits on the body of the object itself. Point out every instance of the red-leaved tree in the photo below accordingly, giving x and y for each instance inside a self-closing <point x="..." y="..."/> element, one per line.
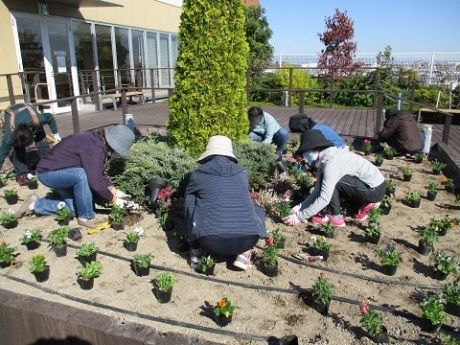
<point x="337" y="58"/>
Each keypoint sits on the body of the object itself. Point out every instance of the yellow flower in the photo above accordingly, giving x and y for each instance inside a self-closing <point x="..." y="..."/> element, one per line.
<point x="227" y="314"/>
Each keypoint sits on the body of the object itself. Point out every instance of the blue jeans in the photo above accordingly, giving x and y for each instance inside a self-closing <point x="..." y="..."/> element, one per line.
<point x="72" y="186"/>
<point x="280" y="139"/>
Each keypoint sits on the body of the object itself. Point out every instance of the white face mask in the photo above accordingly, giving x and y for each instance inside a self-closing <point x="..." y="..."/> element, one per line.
<point x="310" y="157"/>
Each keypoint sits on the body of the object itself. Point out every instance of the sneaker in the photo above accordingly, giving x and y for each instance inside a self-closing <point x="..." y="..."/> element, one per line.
<point x="195" y="258"/>
<point x="92" y="223"/>
<point x="335" y="222"/>
<point x="22" y="180"/>
<point x="243" y="261"/>
<point x="363" y="211"/>
<point x="23" y="209"/>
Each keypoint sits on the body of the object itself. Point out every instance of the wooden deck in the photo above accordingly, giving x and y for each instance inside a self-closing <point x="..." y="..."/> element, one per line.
<point x="350" y="123"/>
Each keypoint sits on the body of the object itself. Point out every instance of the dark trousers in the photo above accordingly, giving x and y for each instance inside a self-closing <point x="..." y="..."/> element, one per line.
<point x="18" y="158"/>
<point x="353" y="189"/>
<point x="225" y="245"/>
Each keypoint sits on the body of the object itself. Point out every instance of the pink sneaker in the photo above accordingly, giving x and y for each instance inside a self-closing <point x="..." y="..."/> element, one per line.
<point x="339" y="222"/>
<point x="363" y="211"/>
<point x="320" y="220"/>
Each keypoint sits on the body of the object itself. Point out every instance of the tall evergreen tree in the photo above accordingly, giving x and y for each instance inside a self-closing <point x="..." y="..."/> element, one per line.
<point x="210" y="80"/>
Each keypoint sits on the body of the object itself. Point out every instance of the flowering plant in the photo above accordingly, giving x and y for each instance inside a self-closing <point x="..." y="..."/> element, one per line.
<point x="62" y="214"/>
<point x="451" y="293"/>
<point x="6" y="253"/>
<point x="447" y="182"/>
<point x="373" y="230"/>
<point x="412" y="196"/>
<point x="31" y="236"/>
<point x="390" y="184"/>
<point x="379" y="158"/>
<point x="407" y="170"/>
<point x="164" y="205"/>
<point x="140" y="260"/>
<point x="282" y="208"/>
<point x="370" y="320"/>
<point x="388" y="256"/>
<point x="132" y="237"/>
<point x="367" y="147"/>
<point x="444" y="262"/>
<point x="206" y="262"/>
<point x="419" y="156"/>
<point x="87" y="250"/>
<point x="165" y="281"/>
<point x="433" y="310"/>
<point x="389" y="151"/>
<point x="326" y="228"/>
<point x="322" y="290"/>
<point x="275" y="237"/>
<point x="7" y="218"/>
<point x="270" y="254"/>
<point x="432" y="187"/>
<point x="224" y="307"/>
<point x="37" y="263"/>
<point x="58" y="237"/>
<point x="117" y="214"/>
<point x="90" y="270"/>
<point x="437" y="165"/>
<point x="320" y="243"/>
<point x="386" y="202"/>
<point x="429" y="235"/>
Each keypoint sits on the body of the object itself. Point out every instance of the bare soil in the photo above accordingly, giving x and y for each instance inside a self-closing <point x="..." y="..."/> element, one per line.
<point x="266" y="307"/>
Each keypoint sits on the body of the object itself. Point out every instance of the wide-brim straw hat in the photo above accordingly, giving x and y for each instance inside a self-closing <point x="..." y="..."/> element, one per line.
<point x="120" y="138"/>
<point x="313" y="139"/>
<point x="218" y="145"/>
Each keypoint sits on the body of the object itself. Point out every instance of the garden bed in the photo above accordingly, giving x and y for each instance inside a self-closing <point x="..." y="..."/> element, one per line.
<point x="266" y="307"/>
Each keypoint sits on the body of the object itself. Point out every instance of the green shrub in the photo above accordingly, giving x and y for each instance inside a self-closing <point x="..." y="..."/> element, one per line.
<point x="301" y="79"/>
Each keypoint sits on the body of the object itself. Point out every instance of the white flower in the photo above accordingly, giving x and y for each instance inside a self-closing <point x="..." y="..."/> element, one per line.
<point x="60" y="205"/>
<point x="138" y="230"/>
<point x="28" y="234"/>
<point x="313" y="238"/>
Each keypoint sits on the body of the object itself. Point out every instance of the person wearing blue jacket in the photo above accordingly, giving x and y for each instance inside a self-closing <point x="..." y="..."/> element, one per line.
<point x="264" y="128"/>
<point x="220" y="216"/>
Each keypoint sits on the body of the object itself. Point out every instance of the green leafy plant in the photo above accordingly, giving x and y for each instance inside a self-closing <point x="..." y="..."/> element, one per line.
<point x="62" y="214"/>
<point x="165" y="281"/>
<point x="437" y="165"/>
<point x="370" y="320"/>
<point x="385" y="203"/>
<point x="37" y="263"/>
<point x="447" y="182"/>
<point x="322" y="290"/>
<point x="379" y="158"/>
<point x="412" y="196"/>
<point x="277" y="236"/>
<point x="117" y="214"/>
<point x="389" y="151"/>
<point x="87" y="250"/>
<point x="31" y="236"/>
<point x="224" y="307"/>
<point x="451" y="293"/>
<point x="432" y="187"/>
<point x="142" y="260"/>
<point x="433" y="310"/>
<point x="58" y="237"/>
<point x="7" y="218"/>
<point x="374" y="215"/>
<point x="33" y="179"/>
<point x="6" y="253"/>
<point x="132" y="237"/>
<point x="321" y="243"/>
<point x="419" y="156"/>
<point x="282" y="208"/>
<point x="429" y="236"/>
<point x="206" y="262"/>
<point x="373" y="230"/>
<point x="390" y="184"/>
<point x="91" y="269"/>
<point x="270" y="254"/>
<point x="407" y="170"/>
<point x="388" y="256"/>
<point x="444" y="262"/>
<point x="8" y="193"/>
<point x="326" y="228"/>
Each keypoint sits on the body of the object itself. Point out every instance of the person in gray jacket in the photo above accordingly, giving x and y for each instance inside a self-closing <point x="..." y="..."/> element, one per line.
<point x="220" y="216"/>
<point x="341" y="173"/>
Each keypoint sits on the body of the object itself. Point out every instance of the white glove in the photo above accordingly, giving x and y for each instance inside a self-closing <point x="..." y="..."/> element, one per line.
<point x="29" y="176"/>
<point x="296" y="209"/>
<point x="120" y="202"/>
<point x="291" y="220"/>
<point x="122" y="195"/>
<point x="57" y="137"/>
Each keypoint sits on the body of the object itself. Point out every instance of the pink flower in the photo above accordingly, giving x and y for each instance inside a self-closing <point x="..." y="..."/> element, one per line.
<point x="367" y="141"/>
<point x="270" y="241"/>
<point x="255" y="195"/>
<point x="364" y="309"/>
<point x="167" y="205"/>
<point x="287" y="195"/>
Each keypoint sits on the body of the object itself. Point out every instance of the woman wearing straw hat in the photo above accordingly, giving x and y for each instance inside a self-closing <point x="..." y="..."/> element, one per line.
<point x="221" y="219"/>
<point x="341" y="173"/>
<point x="74" y="168"/>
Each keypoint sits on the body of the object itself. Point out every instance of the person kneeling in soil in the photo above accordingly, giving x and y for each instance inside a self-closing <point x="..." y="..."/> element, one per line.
<point x="74" y="168"/>
<point x="341" y="173"/>
<point x="221" y="219"/>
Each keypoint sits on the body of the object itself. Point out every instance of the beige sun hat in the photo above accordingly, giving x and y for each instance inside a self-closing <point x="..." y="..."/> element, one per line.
<point x="218" y="145"/>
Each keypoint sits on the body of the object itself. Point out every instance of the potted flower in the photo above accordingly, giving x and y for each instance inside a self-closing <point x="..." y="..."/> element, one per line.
<point x="433" y="313"/>
<point x="321" y="295"/>
<point x="451" y="294"/>
<point x="386" y="204"/>
<point x="62" y="216"/>
<point x="87" y="253"/>
<point x="207" y="265"/>
<point x="164" y="203"/>
<point x="8" y="220"/>
<point x="141" y="264"/>
<point x="428" y="236"/>
<point x="327" y="230"/>
<point x="117" y="216"/>
<point x="389" y="259"/>
<point x="87" y="273"/>
<point x="131" y="241"/>
<point x="379" y="160"/>
<point x="278" y="238"/>
<point x="449" y="184"/>
<point x="223" y="312"/>
<point x="389" y="152"/>
<point x="31" y="239"/>
<point x="11" y="196"/>
<point x="32" y="183"/>
<point x="321" y="247"/>
<point x="282" y="209"/>
<point x="444" y="224"/>
<point x="270" y="260"/>
<point x="437" y="166"/>
<point x="444" y="263"/>
<point x="372" y="233"/>
<point x="419" y="157"/>
<point x="390" y="187"/>
<point x="432" y="191"/>
<point x="163" y="286"/>
<point x="407" y="173"/>
<point x="372" y="323"/>
<point x="367" y="147"/>
<point x="6" y="254"/>
<point x="39" y="268"/>
<point x="413" y="199"/>
<point x="58" y="240"/>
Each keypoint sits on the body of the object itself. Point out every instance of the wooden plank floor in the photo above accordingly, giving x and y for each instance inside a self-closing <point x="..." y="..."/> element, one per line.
<point x="349" y="123"/>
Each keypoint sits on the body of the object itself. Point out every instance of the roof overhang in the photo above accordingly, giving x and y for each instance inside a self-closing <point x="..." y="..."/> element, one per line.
<point x="84" y="3"/>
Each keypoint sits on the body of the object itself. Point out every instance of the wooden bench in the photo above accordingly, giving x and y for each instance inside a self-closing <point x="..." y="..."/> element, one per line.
<point x="428" y="110"/>
<point x="130" y="94"/>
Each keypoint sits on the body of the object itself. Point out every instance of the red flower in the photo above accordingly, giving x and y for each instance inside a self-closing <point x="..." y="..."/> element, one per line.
<point x="270" y="241"/>
<point x="364" y="309"/>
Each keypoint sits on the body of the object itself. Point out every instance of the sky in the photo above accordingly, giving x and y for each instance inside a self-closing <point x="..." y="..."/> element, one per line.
<point x="407" y="26"/>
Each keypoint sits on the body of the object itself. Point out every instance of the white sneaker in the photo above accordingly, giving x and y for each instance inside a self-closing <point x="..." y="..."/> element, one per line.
<point x="243" y="261"/>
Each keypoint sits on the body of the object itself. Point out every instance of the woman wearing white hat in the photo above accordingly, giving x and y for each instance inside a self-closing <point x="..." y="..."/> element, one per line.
<point x="221" y="219"/>
<point x="74" y="168"/>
